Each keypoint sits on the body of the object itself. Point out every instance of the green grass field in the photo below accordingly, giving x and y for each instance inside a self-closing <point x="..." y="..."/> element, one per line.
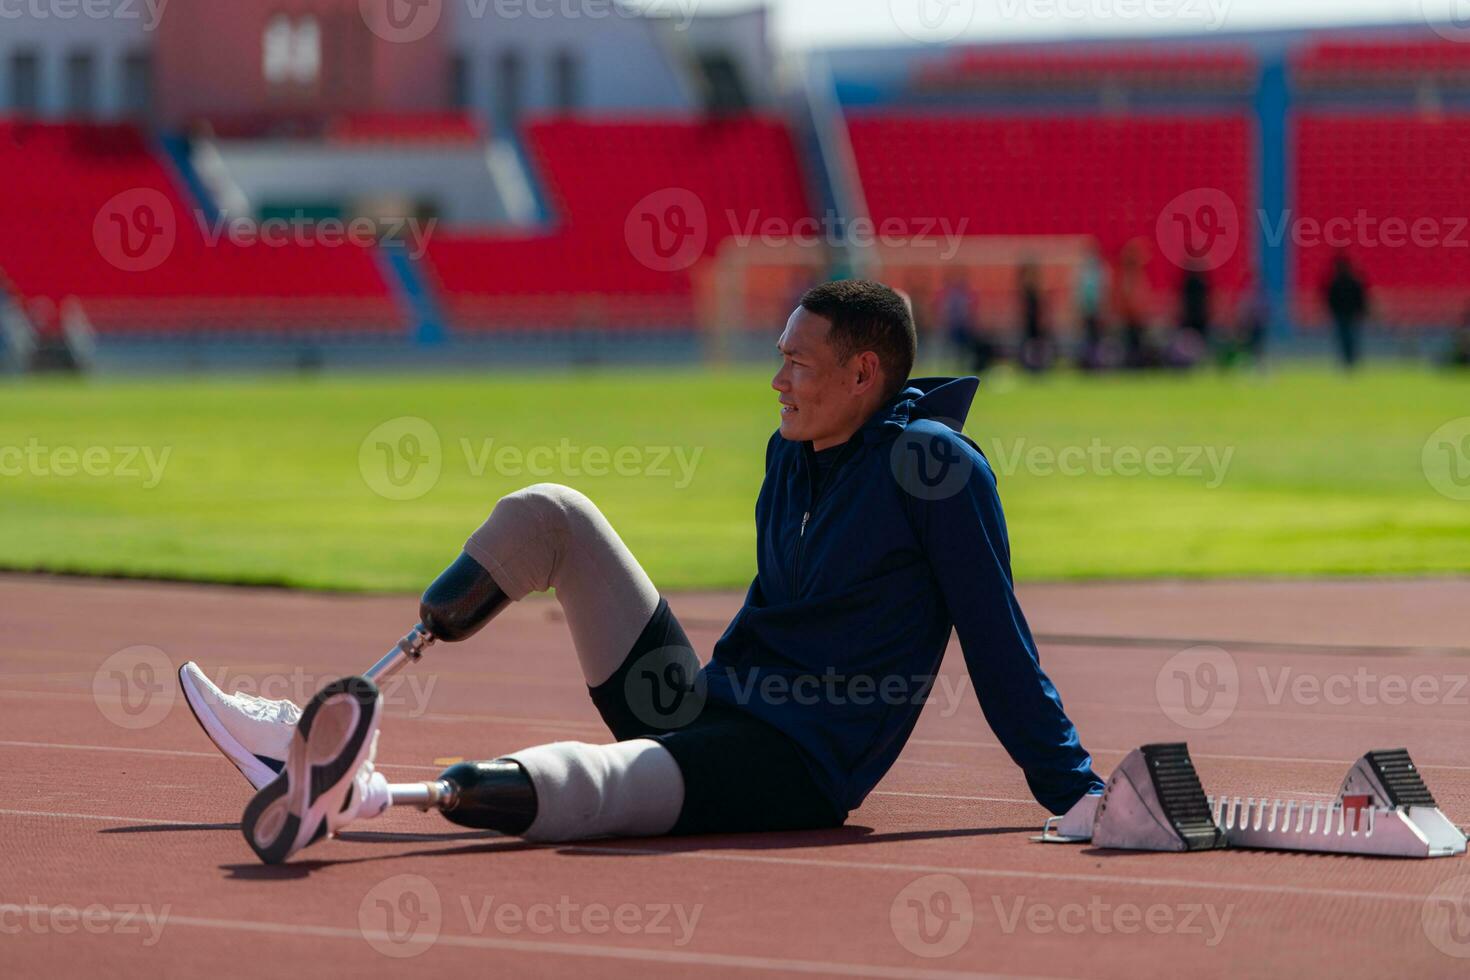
<point x="1302" y="472"/>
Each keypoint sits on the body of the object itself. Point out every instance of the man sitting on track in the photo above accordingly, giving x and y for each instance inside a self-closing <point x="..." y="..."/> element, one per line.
<point x="878" y="529"/>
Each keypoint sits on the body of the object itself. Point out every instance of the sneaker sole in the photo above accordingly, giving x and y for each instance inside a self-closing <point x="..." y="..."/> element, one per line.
<point x="256" y="772"/>
<point x="331" y="743"/>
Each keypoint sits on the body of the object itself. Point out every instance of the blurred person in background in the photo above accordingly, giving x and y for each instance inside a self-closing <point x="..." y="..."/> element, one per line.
<point x="1457" y="355"/>
<point x="1092" y="286"/>
<point x="1191" y="342"/>
<point x="1036" y="352"/>
<point x="1346" y="297"/>
<point x="1130" y="305"/>
<point x="958" y="311"/>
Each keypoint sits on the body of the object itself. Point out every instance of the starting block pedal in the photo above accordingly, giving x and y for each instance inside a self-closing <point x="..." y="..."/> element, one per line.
<point x="1154" y="802"/>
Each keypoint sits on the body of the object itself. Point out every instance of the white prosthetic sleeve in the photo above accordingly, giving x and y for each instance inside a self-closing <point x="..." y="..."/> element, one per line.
<point x="623" y="789"/>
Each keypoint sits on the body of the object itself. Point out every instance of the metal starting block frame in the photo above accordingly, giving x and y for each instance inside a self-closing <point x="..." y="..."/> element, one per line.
<point x="1154" y="802"/>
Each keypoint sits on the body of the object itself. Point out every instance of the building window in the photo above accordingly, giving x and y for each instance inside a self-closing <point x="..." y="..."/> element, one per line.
<point x="81" y="83"/>
<point x="291" y="51"/>
<point x="25" y="81"/>
<point x="566" y="77"/>
<point x="137" y="85"/>
<point x="507" y="90"/>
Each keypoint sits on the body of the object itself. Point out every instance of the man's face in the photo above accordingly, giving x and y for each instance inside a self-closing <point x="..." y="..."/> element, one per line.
<point x="822" y="401"/>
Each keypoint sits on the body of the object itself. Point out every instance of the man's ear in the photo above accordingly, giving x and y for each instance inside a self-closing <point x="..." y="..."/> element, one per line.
<point x="869" y="371"/>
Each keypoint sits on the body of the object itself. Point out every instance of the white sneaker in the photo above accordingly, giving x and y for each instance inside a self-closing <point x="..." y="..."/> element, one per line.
<point x="329" y="780"/>
<point x="252" y="732"/>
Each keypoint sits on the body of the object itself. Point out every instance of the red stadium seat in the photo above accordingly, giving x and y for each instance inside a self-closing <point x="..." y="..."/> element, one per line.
<point x="62" y="244"/>
<point x="1368" y="170"/>
<point x="584" y="272"/>
<point x="1110" y="178"/>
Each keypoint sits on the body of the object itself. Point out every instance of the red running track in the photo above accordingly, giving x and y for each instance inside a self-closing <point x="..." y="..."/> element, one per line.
<point x="124" y="855"/>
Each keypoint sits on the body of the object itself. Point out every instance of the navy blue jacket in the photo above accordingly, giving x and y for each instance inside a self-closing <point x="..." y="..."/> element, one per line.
<point x="856" y="591"/>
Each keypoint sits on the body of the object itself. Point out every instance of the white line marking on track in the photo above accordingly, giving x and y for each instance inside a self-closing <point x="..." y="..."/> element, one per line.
<point x="540" y="947"/>
<point x="180" y="753"/>
<point x="921" y="869"/>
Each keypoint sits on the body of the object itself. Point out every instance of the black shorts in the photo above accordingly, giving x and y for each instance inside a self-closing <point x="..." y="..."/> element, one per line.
<point x="740" y="774"/>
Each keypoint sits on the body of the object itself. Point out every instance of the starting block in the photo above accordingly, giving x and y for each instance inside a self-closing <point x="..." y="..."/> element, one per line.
<point x="1154" y="802"/>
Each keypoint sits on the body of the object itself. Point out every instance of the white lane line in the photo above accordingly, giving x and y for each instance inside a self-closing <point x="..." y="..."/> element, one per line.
<point x="180" y="753"/>
<point x="1097" y="750"/>
<point x="919" y="869"/>
<point x="544" y="947"/>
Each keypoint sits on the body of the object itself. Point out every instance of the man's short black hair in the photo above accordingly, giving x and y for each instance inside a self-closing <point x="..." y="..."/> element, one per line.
<point x="868" y="316"/>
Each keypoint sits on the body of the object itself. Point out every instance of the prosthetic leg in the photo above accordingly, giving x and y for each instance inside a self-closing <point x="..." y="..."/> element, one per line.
<point x="486" y="795"/>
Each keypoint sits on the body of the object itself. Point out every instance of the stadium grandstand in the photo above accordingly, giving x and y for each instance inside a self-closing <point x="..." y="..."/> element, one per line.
<point x="328" y="185"/>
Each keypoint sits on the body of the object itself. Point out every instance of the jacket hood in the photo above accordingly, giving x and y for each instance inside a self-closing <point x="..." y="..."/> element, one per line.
<point x="944" y="400"/>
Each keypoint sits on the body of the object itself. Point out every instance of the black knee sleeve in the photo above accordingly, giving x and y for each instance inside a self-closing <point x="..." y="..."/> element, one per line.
<point x="461" y="601"/>
<point x="494" y="795"/>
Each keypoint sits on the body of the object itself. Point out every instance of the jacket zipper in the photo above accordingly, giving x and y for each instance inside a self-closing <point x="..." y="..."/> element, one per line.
<point x="811" y="496"/>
